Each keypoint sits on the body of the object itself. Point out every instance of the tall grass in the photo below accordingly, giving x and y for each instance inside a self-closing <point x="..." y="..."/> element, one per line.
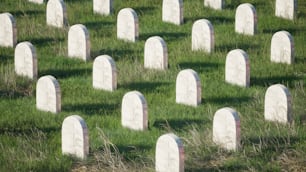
<point x="30" y="139"/>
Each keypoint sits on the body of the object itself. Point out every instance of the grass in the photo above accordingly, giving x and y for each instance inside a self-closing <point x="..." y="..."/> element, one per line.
<point x="30" y="139"/>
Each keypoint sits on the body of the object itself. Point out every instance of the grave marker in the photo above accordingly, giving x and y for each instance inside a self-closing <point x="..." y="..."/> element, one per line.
<point x="78" y="42"/>
<point x="48" y="94"/>
<point x="188" y="88"/>
<point x="278" y="104"/>
<point x="75" y="140"/>
<point x="226" y="129"/>
<point x="134" y="111"/>
<point x="103" y="7"/>
<point x="169" y="155"/>
<point x="8" y="30"/>
<point x="214" y="4"/>
<point x="25" y="60"/>
<point x="172" y="11"/>
<point x="286" y="9"/>
<point x="203" y="36"/>
<point x="237" y="68"/>
<point x="104" y="73"/>
<point x="282" y="48"/>
<point x="155" y="53"/>
<point x="246" y="19"/>
<point x="127" y="25"/>
<point x="37" y="1"/>
<point x="56" y="13"/>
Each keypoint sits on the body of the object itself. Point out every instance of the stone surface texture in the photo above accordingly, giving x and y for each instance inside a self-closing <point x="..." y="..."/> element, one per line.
<point x="155" y="53"/>
<point x="56" y="13"/>
<point x="282" y="48"/>
<point x="173" y="11"/>
<point x="246" y="19"/>
<point x="127" y="25"/>
<point x="79" y="42"/>
<point x="286" y="9"/>
<point x="8" y="30"/>
<point x="203" y="37"/>
<point x="103" y="7"/>
<point x="214" y="4"/>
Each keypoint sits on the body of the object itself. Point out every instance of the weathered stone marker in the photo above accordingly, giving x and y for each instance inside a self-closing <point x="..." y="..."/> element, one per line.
<point x="237" y="68"/>
<point x="37" y="1"/>
<point x="78" y="42"/>
<point x="25" y="60"/>
<point x="75" y="140"/>
<point x="203" y="37"/>
<point x="173" y="11"/>
<point x="282" y="48"/>
<point x="286" y="9"/>
<point x="214" y="4"/>
<point x="134" y="111"/>
<point x="188" y="88"/>
<point x="155" y="53"/>
<point x="127" y="25"/>
<point x="48" y="94"/>
<point x="246" y="19"/>
<point x="278" y="104"/>
<point x="56" y="13"/>
<point x="104" y="75"/>
<point x="103" y="7"/>
<point x="8" y="30"/>
<point x="226" y="129"/>
<point x="169" y="155"/>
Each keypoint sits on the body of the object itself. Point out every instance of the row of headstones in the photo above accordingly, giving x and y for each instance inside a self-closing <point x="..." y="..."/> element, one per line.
<point x="169" y="152"/>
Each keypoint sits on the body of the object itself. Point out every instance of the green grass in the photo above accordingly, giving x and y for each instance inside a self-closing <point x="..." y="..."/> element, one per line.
<point x="30" y="140"/>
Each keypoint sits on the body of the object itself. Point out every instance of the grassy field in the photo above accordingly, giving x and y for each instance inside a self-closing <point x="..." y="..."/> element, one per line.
<point x="30" y="140"/>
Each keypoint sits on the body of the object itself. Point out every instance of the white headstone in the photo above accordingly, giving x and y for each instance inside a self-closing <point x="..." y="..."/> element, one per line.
<point x="226" y="129"/>
<point x="56" y="13"/>
<point x="215" y="4"/>
<point x="37" y="1"/>
<point x="246" y="19"/>
<point x="169" y="155"/>
<point x="278" y="105"/>
<point x="203" y="37"/>
<point x="172" y="11"/>
<point x="103" y="7"/>
<point x="134" y="111"/>
<point x="26" y="60"/>
<point x="286" y="9"/>
<point x="75" y="140"/>
<point x="282" y="48"/>
<point x="155" y="53"/>
<point x="8" y="30"/>
<point x="188" y="88"/>
<point x="237" y="68"/>
<point x="48" y="94"/>
<point x="78" y="42"/>
<point x="127" y="25"/>
<point x="104" y="75"/>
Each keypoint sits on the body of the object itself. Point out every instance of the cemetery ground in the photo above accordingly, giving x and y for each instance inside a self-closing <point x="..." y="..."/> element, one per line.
<point x="30" y="139"/>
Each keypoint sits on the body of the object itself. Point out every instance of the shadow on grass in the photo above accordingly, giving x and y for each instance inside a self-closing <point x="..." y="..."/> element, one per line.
<point x="91" y="108"/>
<point x="199" y="66"/>
<point x="267" y="81"/>
<point x="237" y="45"/>
<point x="213" y="19"/>
<point x="5" y="58"/>
<point x="41" y="42"/>
<point x="144" y="10"/>
<point x="26" y="13"/>
<point x="167" y="36"/>
<point x="61" y="73"/>
<point x="114" y="53"/>
<point x="177" y="124"/>
<point x="98" y="25"/>
<point x="293" y="29"/>
<point x="133" y="152"/>
<point x="228" y="101"/>
<point x="144" y="87"/>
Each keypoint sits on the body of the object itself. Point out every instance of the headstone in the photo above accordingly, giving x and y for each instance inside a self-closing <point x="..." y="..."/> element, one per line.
<point x="75" y="140"/>
<point x="282" y="48"/>
<point x="188" y="88"/>
<point x="134" y="111"/>
<point x="56" y="13"/>
<point x="226" y="129"/>
<point x="78" y="42"/>
<point x="172" y="11"/>
<point x="203" y="36"/>
<point x="155" y="53"/>
<point x="169" y="155"/>
<point x="8" y="30"/>
<point x="104" y="73"/>
<point x="215" y="4"/>
<point x="48" y="94"/>
<point x="237" y="68"/>
<point x="103" y="7"/>
<point x="246" y="19"/>
<point x="286" y="9"/>
<point x="278" y="104"/>
<point x="37" y="1"/>
<point x="127" y="25"/>
<point x="26" y="60"/>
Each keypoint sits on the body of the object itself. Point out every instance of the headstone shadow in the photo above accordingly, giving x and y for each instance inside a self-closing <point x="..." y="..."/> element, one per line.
<point x="144" y="87"/>
<point x="200" y="67"/>
<point x="91" y="108"/>
<point x="267" y="81"/>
